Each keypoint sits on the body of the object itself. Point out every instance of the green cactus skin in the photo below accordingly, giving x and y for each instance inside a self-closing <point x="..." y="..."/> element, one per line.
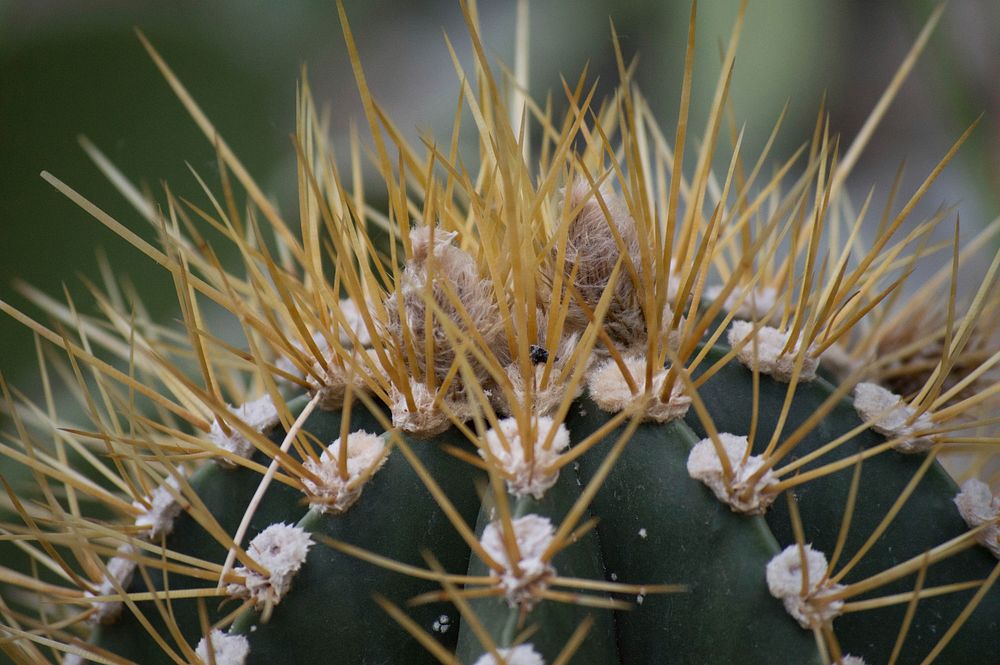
<point x="927" y="519"/>
<point x="689" y="537"/>
<point x="556" y="621"/>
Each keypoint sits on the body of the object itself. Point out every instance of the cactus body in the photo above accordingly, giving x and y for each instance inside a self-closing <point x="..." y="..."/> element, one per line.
<point x="656" y="525"/>
<point x="578" y="416"/>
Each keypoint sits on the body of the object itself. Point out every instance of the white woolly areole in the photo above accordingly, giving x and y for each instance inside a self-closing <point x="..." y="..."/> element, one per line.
<point x="539" y="474"/>
<point x="889" y="415"/>
<point x="610" y="391"/>
<point x="547" y="393"/>
<point x="428" y="419"/>
<point x="784" y="580"/>
<point x="157" y="519"/>
<point x="533" y="534"/>
<point x="851" y="660"/>
<point x="757" y="303"/>
<point x="121" y="568"/>
<point x="978" y="506"/>
<point x="704" y="464"/>
<point x="227" y="649"/>
<point x="523" y="654"/>
<point x="280" y="549"/>
<point x="260" y="415"/>
<point x="72" y="659"/>
<point x="770" y="359"/>
<point x="330" y="383"/>
<point x="333" y="494"/>
<point x="545" y="398"/>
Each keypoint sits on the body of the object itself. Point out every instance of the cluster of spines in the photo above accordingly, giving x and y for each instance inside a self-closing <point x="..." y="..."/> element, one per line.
<point x="486" y="380"/>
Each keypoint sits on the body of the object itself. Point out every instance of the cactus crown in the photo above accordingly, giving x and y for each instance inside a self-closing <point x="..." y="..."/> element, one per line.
<point x="582" y="405"/>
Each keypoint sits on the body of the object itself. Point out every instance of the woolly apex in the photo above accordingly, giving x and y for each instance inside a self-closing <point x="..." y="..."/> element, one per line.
<point x="522" y="654"/>
<point x="978" y="506"/>
<point x="524" y="584"/>
<point x="704" y="464"/>
<point x="755" y="306"/>
<point x="157" y="518"/>
<point x="120" y="568"/>
<point x="890" y="416"/>
<point x="784" y="579"/>
<point x="610" y="391"/>
<point x="226" y="649"/>
<point x="526" y="477"/>
<point x="443" y="273"/>
<point x="259" y="415"/>
<point x="281" y="550"/>
<point x="593" y="250"/>
<point x="770" y="358"/>
<point x="430" y="416"/>
<point x="366" y="453"/>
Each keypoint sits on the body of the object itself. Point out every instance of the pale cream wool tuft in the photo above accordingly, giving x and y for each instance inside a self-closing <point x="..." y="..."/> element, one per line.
<point x="609" y="390"/>
<point x="533" y="534"/>
<point x="436" y="275"/>
<point x="260" y="415"/>
<point x="592" y="251"/>
<point x="547" y="397"/>
<point x="331" y="382"/>
<point x="704" y="464"/>
<point x="533" y="477"/>
<point x="755" y="306"/>
<point x="770" y="359"/>
<point x="429" y="418"/>
<point x="978" y="506"/>
<point x="784" y="580"/>
<point x="890" y="415"/>
<point x="851" y="660"/>
<point x="157" y="519"/>
<point x="366" y="453"/>
<point x="120" y="568"/>
<point x="523" y="654"/>
<point x="226" y="649"/>
<point x="280" y="549"/>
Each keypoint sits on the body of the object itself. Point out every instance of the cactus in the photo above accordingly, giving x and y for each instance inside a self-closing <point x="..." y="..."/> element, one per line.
<point x="591" y="410"/>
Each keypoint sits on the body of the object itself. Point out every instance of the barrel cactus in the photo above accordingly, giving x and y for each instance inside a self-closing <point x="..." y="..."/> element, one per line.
<point x="573" y="404"/>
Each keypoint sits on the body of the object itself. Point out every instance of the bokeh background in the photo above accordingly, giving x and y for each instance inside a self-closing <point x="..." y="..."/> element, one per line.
<point x="71" y="67"/>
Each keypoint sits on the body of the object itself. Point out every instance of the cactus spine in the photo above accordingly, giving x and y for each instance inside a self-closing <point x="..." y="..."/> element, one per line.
<point x="590" y="410"/>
